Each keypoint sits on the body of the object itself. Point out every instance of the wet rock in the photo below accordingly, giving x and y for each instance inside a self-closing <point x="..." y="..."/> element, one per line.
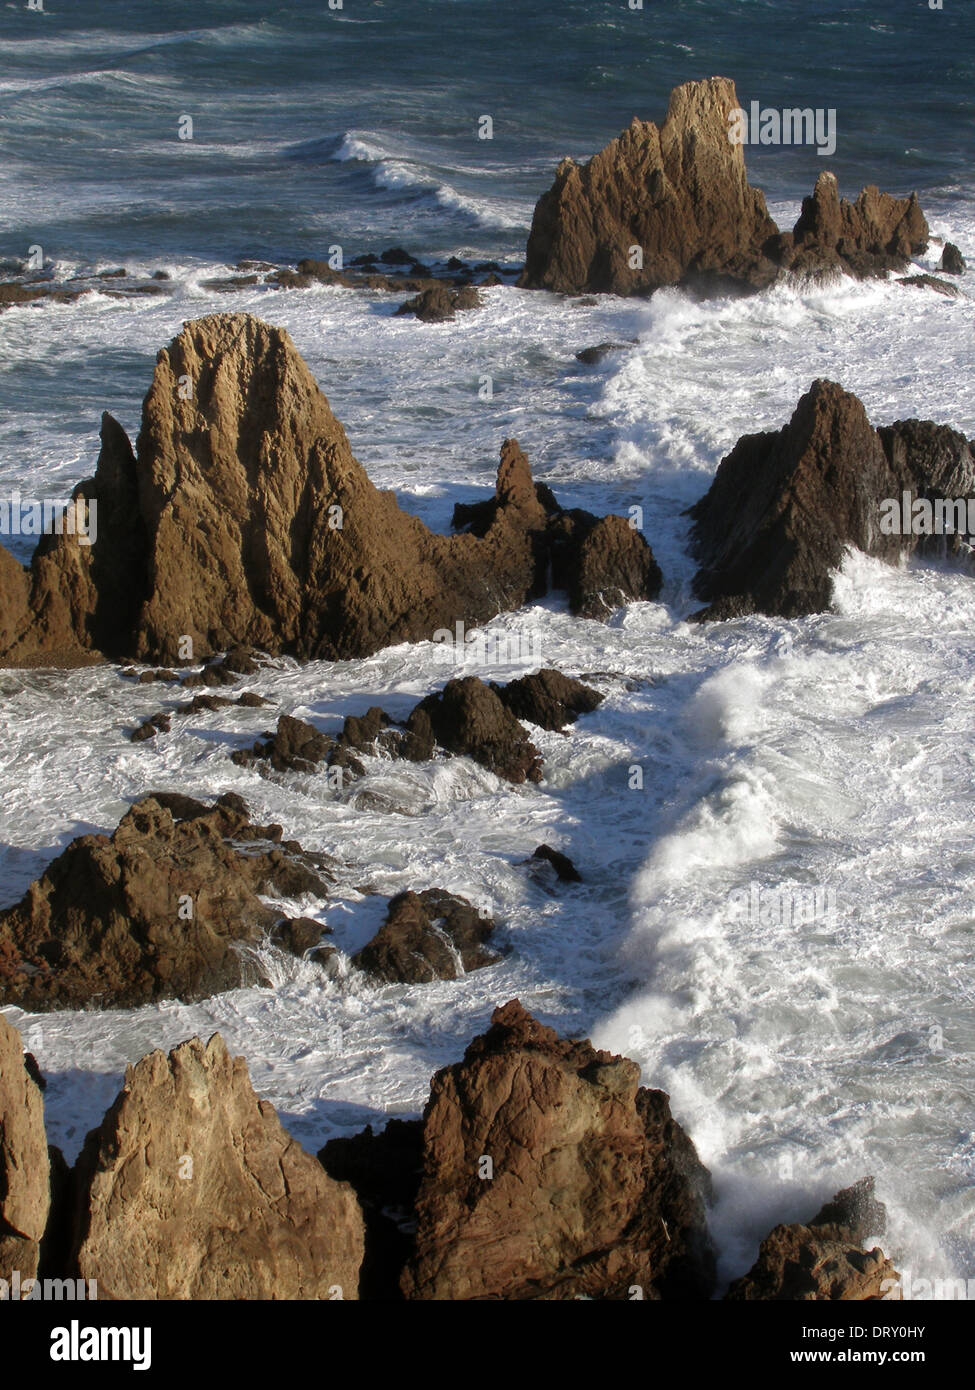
<point x="565" y="870"/>
<point x="191" y="1189"/>
<point x="952" y="261"/>
<point x="678" y="193"/>
<point x="876" y="234"/>
<point x="823" y="1260"/>
<point x="591" y="356"/>
<point x="549" y="1173"/>
<point x="158" y="910"/>
<point x="440" y="304"/>
<point x="784" y="505"/>
<point x="468" y="717"/>
<point x="548" y="698"/>
<point x="427" y="936"/>
<point x="931" y="282"/>
<point x="24" y="1164"/>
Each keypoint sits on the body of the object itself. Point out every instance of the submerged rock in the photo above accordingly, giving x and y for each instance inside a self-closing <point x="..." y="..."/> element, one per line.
<point x="440" y="303"/>
<point x="191" y="1189"/>
<point x="565" y="870"/>
<point x="549" y="1173"/>
<point x="431" y="935"/>
<point x="157" y="910"/>
<point x="824" y="1260"/>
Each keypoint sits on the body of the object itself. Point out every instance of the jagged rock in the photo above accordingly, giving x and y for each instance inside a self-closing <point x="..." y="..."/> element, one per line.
<point x="426" y="936"/>
<point x="565" y="870"/>
<point x="25" y="1174"/>
<point x="952" y="261"/>
<point x="784" y="505"/>
<point x="681" y="196"/>
<point x="548" y="698"/>
<point x="440" y="303"/>
<point x="931" y="282"/>
<point x="245" y="520"/>
<point x="158" y="910"/>
<point x="600" y="562"/>
<point x="592" y="1187"/>
<point x="299" y="747"/>
<point x="384" y="1170"/>
<point x="468" y="717"/>
<point x="679" y="193"/>
<point x="875" y="234"/>
<point x="191" y="1189"/>
<point x="825" y="1259"/>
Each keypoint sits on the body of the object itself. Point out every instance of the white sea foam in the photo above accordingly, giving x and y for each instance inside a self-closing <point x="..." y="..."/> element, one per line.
<point x="833" y="751"/>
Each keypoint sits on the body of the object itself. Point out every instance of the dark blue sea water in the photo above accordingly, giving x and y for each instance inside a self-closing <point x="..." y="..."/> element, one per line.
<point x="358" y="126"/>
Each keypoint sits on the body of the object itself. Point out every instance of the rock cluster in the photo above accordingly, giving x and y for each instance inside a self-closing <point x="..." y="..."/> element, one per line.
<point x="672" y="205"/>
<point x="824" y="1260"/>
<point x="160" y="909"/>
<point x="540" y="1170"/>
<point x="784" y="505"/>
<point x="243" y="519"/>
<point x="467" y="717"/>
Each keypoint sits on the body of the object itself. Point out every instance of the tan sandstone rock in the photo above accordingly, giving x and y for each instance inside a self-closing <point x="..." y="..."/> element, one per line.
<point x="191" y="1189"/>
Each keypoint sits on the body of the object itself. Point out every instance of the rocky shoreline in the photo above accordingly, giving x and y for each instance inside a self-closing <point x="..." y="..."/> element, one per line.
<point x="191" y="1189"/>
<point x="240" y="528"/>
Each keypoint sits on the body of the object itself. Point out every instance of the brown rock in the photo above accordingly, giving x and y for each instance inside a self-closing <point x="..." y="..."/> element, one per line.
<point x="25" y="1194"/>
<point x="440" y="303"/>
<point x="431" y="935"/>
<point x="158" y="910"/>
<point x="565" y="870"/>
<point x="875" y="234"/>
<point x="548" y="698"/>
<point x="773" y="526"/>
<point x="592" y="1188"/>
<point x="824" y="1260"/>
<point x="952" y="261"/>
<point x="679" y="193"/>
<point x="191" y="1189"/>
<point x="468" y="717"/>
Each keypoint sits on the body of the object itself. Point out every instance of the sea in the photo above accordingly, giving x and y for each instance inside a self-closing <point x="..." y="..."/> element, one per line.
<point x="773" y="819"/>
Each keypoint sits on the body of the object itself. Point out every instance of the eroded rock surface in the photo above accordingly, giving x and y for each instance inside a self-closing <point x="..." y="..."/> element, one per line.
<point x="25" y="1173"/>
<point x="824" y="1260"/>
<point x="160" y="909"/>
<point x="549" y="1173"/>
<point x="191" y="1189"/>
